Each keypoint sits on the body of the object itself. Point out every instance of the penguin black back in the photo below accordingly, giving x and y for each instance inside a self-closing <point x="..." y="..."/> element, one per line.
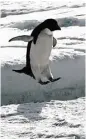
<point x="28" y="67"/>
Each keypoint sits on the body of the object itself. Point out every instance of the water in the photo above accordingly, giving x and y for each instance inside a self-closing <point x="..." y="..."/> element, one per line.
<point x="55" y="110"/>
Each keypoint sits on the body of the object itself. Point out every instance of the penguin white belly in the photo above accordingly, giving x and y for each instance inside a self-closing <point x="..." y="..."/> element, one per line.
<point x="40" y="53"/>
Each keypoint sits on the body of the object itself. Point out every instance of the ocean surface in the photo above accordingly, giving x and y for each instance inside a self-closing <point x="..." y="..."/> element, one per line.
<point x="56" y="110"/>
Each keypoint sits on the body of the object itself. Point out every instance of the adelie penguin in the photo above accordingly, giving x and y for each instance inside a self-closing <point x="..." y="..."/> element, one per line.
<point x="39" y="48"/>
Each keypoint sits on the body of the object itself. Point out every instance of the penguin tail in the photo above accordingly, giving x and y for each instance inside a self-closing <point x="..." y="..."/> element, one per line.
<point x="19" y="71"/>
<point x="26" y="71"/>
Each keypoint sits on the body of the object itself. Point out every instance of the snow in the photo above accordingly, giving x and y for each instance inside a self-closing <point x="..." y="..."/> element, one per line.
<point x="18" y="88"/>
<point x="54" y="119"/>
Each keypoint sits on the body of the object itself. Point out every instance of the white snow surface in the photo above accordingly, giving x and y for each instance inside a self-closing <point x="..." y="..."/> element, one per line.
<point x="54" y="120"/>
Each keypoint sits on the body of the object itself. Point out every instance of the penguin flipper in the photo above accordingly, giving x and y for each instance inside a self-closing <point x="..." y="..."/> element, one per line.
<point x="25" y="38"/>
<point x="54" y="42"/>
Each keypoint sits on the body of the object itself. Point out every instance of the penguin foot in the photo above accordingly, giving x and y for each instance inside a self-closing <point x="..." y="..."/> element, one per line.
<point x="43" y="83"/>
<point x="53" y="80"/>
<point x="50" y="80"/>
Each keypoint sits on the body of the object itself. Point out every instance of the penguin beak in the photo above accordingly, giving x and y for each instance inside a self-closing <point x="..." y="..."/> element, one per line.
<point x="58" y="28"/>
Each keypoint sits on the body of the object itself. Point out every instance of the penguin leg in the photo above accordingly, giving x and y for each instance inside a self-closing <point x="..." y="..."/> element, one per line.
<point x="38" y="76"/>
<point x="36" y="72"/>
<point x="48" y="74"/>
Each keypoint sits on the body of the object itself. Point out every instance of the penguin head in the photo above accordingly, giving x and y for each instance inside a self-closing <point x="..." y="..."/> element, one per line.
<point x="51" y="24"/>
